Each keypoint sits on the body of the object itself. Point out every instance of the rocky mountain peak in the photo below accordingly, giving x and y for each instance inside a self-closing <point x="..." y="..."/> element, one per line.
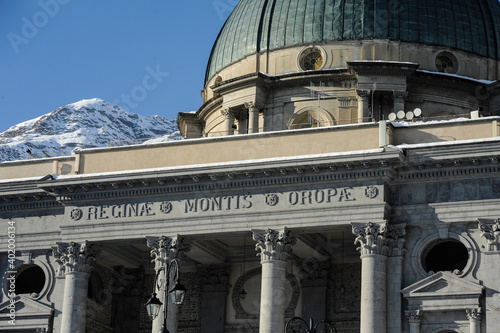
<point x="85" y="124"/>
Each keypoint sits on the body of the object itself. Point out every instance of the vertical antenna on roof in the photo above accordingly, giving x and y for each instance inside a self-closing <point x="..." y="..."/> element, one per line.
<point x="319" y="93"/>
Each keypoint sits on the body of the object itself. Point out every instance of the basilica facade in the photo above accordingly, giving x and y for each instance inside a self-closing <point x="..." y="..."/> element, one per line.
<point x="343" y="167"/>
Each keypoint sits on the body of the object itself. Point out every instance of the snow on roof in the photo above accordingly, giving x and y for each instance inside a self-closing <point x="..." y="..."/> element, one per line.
<point x="417" y="122"/>
<point x="405" y="146"/>
<point x="456" y="76"/>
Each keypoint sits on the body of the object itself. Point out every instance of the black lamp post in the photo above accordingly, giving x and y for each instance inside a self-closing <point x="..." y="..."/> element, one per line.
<point x="321" y="327"/>
<point x="153" y="305"/>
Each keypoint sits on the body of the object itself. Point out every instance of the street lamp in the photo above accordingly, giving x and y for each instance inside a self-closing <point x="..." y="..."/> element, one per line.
<point x="321" y="327"/>
<point x="153" y="305"/>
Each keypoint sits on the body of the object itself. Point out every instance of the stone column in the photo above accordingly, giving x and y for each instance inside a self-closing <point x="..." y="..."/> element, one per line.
<point x="377" y="241"/>
<point x="253" y="117"/>
<point x="274" y="247"/>
<point x="228" y="121"/>
<point x="475" y="316"/>
<point x="164" y="250"/>
<point x="214" y="281"/>
<point x="414" y="318"/>
<point x="74" y="262"/>
<point x="399" y="100"/>
<point x="363" y="113"/>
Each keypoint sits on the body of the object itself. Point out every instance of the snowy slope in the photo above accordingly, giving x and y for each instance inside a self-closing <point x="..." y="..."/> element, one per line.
<point x="85" y="124"/>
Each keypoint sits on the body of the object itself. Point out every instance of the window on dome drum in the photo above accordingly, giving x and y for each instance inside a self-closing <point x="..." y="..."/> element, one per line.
<point x="448" y="255"/>
<point x="311" y="60"/>
<point x="30" y="280"/>
<point x="446" y="63"/>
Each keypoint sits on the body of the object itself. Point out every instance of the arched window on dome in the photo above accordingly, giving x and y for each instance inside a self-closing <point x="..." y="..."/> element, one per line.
<point x="310" y="118"/>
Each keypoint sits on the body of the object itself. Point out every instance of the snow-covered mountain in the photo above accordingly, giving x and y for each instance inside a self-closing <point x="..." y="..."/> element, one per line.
<point x="85" y="124"/>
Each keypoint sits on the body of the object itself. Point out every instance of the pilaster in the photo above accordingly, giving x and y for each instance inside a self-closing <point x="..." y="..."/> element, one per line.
<point x="274" y="247"/>
<point x="74" y="262"/>
<point x="314" y="280"/>
<point x="214" y="281"/>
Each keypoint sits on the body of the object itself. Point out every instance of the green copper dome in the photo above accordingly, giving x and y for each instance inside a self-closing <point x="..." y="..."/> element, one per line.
<point x="261" y="25"/>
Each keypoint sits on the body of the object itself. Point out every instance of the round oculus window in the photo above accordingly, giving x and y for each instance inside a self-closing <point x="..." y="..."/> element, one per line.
<point x="449" y="255"/>
<point x="311" y="60"/>
<point x="446" y="63"/>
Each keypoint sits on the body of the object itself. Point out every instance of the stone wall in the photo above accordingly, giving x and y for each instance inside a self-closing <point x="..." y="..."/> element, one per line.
<point x="344" y="297"/>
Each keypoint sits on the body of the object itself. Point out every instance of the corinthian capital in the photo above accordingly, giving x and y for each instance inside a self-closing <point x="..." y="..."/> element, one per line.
<point x="491" y="232"/>
<point x="414" y="316"/>
<point x="273" y="244"/>
<point x="226" y="112"/>
<point x="399" y="94"/>
<point x="474" y="314"/>
<point x="74" y="257"/>
<point x="380" y="238"/>
<point x="253" y="106"/>
<point x="165" y="248"/>
<point x="363" y="93"/>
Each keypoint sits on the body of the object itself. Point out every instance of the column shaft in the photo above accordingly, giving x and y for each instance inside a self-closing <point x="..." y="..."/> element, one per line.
<point x="74" y="260"/>
<point x="414" y="326"/>
<point x="363" y="113"/>
<point x="373" y="293"/>
<point x="274" y="246"/>
<point x="228" y="121"/>
<point x="394" y="300"/>
<point x="75" y="302"/>
<point x="272" y="302"/>
<point x="475" y="316"/>
<point x="253" y="120"/>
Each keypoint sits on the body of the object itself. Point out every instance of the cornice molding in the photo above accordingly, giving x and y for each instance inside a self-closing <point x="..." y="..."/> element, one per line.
<point x="386" y="68"/>
<point x="219" y="181"/>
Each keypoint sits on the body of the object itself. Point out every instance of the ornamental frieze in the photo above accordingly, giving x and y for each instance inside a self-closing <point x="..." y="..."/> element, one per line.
<point x="317" y="198"/>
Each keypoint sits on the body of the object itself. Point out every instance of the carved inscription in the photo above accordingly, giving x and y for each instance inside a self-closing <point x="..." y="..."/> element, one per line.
<point x="104" y="212"/>
<point x="216" y="204"/>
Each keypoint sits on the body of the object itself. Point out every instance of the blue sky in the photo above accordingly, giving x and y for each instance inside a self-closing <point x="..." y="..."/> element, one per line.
<point x="148" y="56"/>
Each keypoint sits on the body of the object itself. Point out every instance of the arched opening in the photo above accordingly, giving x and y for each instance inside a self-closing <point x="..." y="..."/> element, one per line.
<point x="448" y="255"/>
<point x="310" y="118"/>
<point x="30" y="280"/>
